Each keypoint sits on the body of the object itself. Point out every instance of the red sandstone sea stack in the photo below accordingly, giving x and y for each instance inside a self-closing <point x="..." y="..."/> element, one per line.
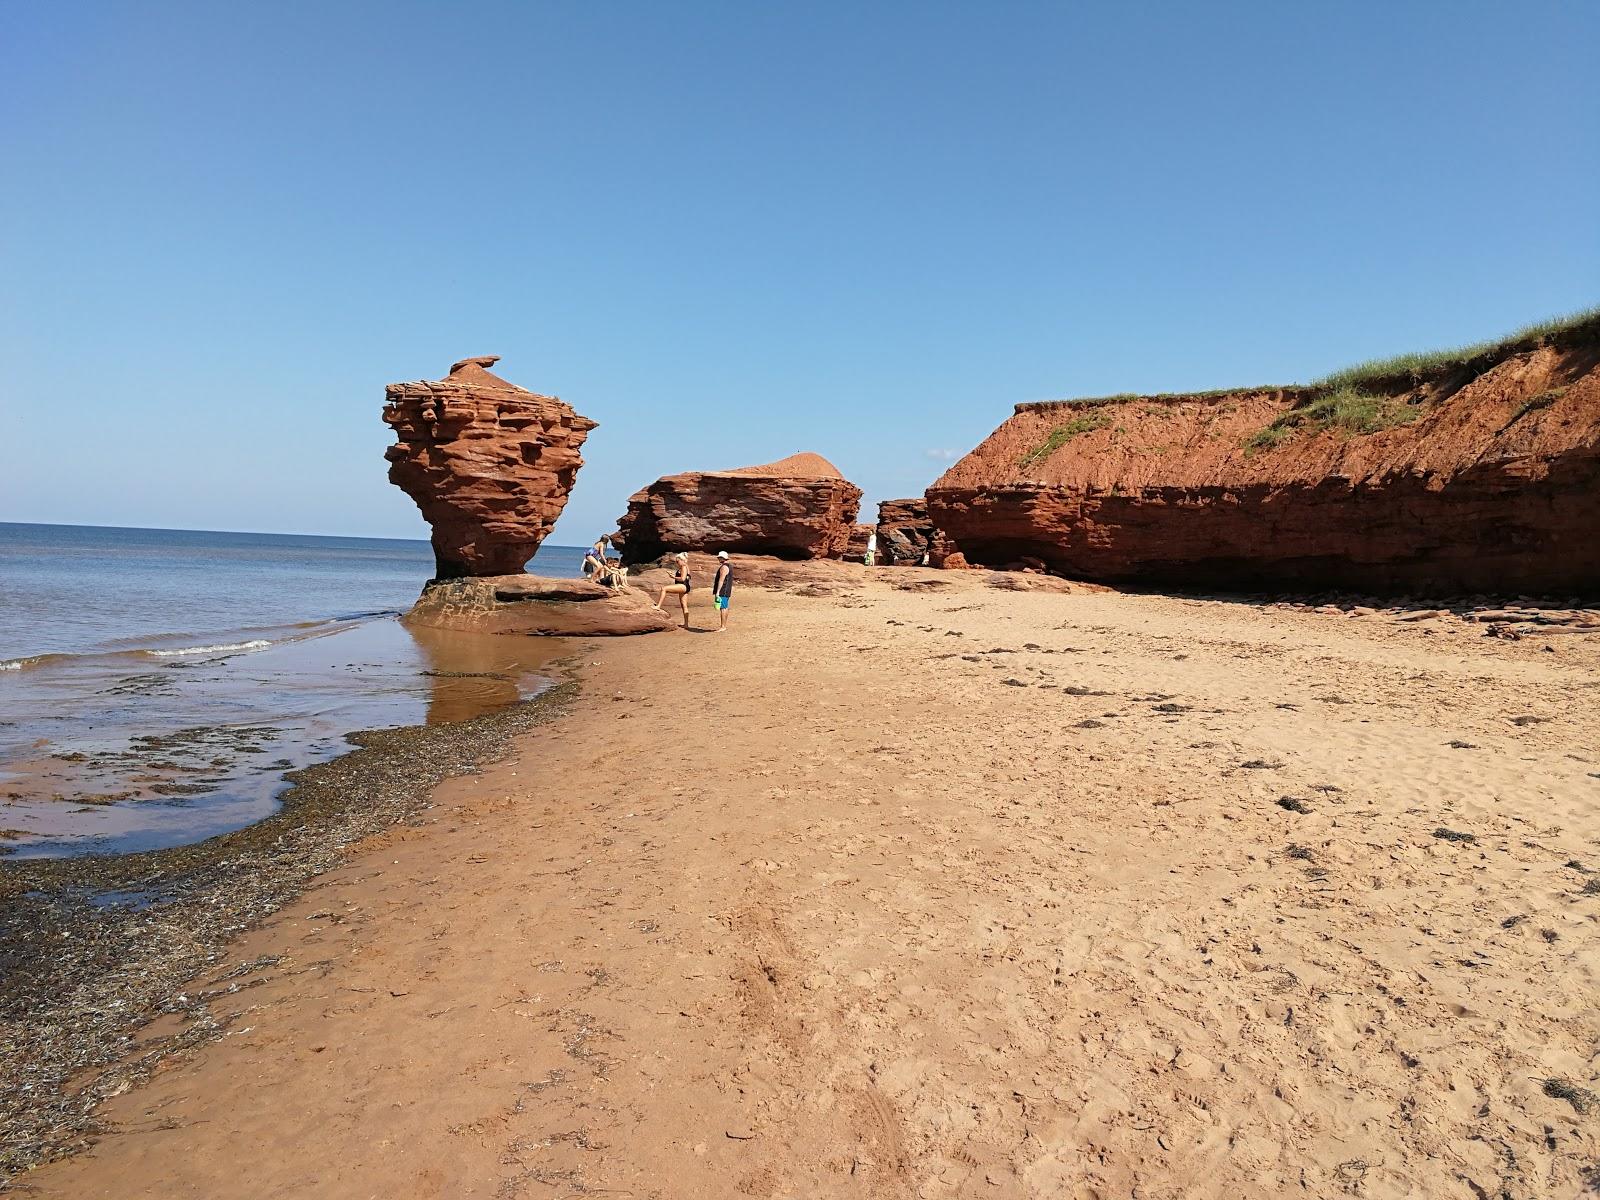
<point x="797" y="508"/>
<point x="488" y="463"/>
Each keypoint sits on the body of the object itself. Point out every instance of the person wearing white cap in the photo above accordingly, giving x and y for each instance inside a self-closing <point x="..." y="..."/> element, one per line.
<point x="722" y="589"/>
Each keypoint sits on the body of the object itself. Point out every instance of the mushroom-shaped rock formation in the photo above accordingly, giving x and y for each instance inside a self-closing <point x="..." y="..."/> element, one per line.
<point x="798" y="507"/>
<point x="488" y="463"/>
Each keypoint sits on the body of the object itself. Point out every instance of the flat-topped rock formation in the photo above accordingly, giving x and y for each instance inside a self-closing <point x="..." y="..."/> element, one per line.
<point x="1482" y="475"/>
<point x="488" y="463"/>
<point x="799" y="507"/>
<point x="904" y="531"/>
<point x="536" y="606"/>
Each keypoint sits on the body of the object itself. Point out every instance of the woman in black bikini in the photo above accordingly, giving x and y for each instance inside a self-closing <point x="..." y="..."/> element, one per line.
<point x="679" y="587"/>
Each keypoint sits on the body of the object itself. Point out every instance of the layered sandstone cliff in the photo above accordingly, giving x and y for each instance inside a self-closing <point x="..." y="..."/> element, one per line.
<point x="1483" y="476"/>
<point x="799" y="507"/>
<point x="488" y="463"/>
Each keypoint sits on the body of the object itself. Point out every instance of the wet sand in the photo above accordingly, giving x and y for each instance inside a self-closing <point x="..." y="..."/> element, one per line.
<point x="944" y="892"/>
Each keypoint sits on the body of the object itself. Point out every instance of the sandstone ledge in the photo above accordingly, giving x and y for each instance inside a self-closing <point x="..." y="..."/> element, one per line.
<point x="535" y="606"/>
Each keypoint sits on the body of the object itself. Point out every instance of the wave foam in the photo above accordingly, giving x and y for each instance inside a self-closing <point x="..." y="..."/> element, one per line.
<point x="255" y="644"/>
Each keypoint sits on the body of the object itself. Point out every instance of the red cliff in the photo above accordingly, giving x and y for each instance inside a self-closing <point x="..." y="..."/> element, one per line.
<point x="1481" y="474"/>
<point x="799" y="507"/>
<point x="488" y="463"/>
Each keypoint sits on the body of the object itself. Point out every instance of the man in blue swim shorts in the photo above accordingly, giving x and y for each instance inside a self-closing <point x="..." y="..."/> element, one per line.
<point x="722" y="589"/>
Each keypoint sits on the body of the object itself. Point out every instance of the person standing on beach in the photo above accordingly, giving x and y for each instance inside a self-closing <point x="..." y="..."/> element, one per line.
<point x="872" y="549"/>
<point x="680" y="586"/>
<point x="722" y="589"/>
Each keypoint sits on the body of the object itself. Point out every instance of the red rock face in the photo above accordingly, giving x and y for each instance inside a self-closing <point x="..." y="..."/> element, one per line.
<point x="904" y="531"/>
<point x="1494" y="486"/>
<point x="488" y="463"/>
<point x="856" y="548"/>
<point x="797" y="508"/>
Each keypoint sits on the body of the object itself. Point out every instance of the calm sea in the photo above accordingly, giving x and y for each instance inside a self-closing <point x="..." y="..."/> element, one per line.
<point x="156" y="684"/>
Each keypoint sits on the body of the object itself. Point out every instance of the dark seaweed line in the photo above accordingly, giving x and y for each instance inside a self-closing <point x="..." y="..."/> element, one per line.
<point x="77" y="983"/>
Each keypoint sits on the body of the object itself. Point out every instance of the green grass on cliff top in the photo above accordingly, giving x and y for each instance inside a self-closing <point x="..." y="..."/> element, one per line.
<point x="1402" y="370"/>
<point x="1415" y="368"/>
<point x="1361" y="399"/>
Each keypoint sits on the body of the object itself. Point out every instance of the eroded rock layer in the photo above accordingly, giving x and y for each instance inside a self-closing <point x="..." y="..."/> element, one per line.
<point x="860" y="535"/>
<point x="531" y="605"/>
<point x="1487" y="479"/>
<point x="904" y="531"/>
<point x="488" y="463"/>
<point x="799" y="507"/>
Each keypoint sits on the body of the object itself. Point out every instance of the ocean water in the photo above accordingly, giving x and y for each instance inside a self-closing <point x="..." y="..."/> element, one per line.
<point x="155" y="685"/>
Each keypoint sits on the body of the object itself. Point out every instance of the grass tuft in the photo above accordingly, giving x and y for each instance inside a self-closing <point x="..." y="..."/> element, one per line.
<point x="1543" y="400"/>
<point x="1346" y="408"/>
<point x="1062" y="434"/>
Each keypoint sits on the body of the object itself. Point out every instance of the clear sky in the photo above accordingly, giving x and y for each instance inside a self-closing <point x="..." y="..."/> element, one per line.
<point x="732" y="231"/>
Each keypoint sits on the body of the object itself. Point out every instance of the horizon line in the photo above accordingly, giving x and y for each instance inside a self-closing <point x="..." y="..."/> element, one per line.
<point x="352" y="537"/>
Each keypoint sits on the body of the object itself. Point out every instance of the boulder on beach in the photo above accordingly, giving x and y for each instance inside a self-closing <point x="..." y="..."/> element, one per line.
<point x="799" y="507"/>
<point x="904" y="531"/>
<point x="488" y="463"/>
<point x="534" y="605"/>
<point x="855" y="549"/>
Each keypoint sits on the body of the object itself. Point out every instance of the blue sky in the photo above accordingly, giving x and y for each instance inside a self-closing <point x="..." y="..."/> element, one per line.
<point x="731" y="231"/>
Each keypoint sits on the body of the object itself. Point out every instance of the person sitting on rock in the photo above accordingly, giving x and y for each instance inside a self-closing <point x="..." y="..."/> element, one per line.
<point x="679" y="587"/>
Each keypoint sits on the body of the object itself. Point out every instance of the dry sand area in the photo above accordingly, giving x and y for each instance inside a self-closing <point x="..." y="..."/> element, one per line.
<point x="948" y="892"/>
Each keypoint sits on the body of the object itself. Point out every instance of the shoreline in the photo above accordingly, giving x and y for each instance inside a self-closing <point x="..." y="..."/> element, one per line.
<point x="898" y="890"/>
<point x="82" y="980"/>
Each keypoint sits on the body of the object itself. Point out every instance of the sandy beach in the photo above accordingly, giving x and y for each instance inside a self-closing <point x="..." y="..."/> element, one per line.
<point x="918" y="888"/>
